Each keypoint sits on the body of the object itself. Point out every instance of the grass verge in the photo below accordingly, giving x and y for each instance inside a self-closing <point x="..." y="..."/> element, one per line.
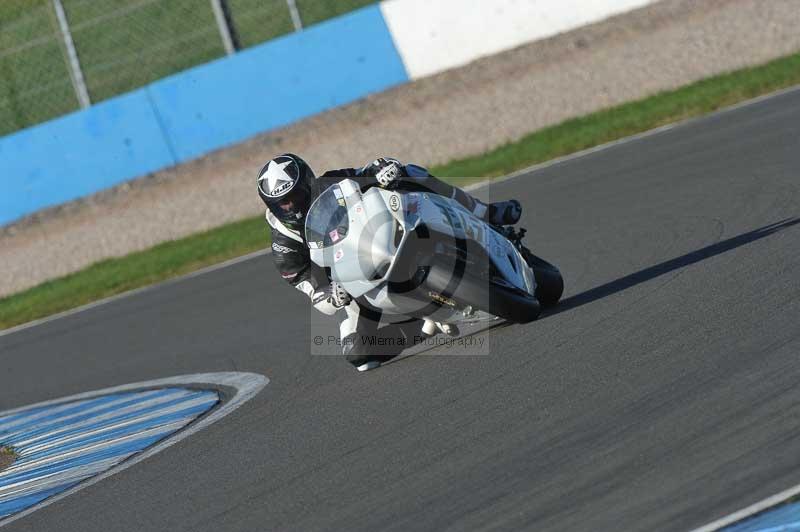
<point x="114" y="276"/>
<point x="7" y="457"/>
<point x="178" y="257"/>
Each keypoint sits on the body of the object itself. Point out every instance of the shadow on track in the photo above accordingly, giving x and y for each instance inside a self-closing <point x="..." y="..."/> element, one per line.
<point x="671" y="265"/>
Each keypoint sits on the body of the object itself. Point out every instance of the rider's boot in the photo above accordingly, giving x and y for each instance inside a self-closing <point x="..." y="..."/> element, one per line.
<point x="358" y="353"/>
<point x="503" y="212"/>
<point x="368" y="365"/>
<point x="367" y="362"/>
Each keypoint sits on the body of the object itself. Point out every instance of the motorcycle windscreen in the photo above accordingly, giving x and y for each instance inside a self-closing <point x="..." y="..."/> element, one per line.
<point x="326" y="222"/>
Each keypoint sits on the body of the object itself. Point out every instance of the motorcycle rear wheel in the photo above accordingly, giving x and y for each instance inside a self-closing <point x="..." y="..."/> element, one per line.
<point x="496" y="298"/>
<point x="549" y="282"/>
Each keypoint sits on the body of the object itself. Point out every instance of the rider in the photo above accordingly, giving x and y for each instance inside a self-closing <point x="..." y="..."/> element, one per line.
<point x="288" y="187"/>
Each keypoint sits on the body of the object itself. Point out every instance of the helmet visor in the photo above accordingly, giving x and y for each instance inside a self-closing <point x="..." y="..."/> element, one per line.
<point x="292" y="206"/>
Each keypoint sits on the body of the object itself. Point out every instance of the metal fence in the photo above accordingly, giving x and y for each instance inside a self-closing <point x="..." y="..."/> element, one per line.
<point x="59" y="55"/>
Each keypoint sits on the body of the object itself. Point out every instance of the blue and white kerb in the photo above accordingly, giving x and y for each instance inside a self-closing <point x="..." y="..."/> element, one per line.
<point x="60" y="445"/>
<point x="67" y="444"/>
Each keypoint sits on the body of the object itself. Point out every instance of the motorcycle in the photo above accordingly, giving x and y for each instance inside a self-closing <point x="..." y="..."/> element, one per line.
<point x="421" y="255"/>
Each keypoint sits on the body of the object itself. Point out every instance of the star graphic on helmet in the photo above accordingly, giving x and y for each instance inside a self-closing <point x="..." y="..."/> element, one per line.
<point x="278" y="180"/>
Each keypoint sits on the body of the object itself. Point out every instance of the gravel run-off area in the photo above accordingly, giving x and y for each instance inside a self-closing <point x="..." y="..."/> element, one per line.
<point x="458" y="113"/>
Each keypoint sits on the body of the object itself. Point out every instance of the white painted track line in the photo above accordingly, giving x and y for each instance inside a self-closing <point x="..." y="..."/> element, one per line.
<point x="753" y="509"/>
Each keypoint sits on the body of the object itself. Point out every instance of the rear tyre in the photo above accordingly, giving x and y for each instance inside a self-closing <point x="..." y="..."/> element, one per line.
<point x="448" y="276"/>
<point x="549" y="282"/>
<point x="498" y="299"/>
<point x="513" y="304"/>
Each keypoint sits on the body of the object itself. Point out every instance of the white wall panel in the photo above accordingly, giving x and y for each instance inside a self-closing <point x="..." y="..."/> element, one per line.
<point x="436" y="35"/>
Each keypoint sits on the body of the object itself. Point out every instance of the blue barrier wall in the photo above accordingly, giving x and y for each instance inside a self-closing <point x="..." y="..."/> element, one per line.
<point x="79" y="154"/>
<point x="205" y="108"/>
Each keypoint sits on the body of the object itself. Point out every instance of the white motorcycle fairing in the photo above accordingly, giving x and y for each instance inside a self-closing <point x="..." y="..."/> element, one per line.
<point x="417" y="254"/>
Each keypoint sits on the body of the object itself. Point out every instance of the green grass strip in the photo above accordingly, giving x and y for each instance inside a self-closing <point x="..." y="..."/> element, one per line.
<point x="114" y="276"/>
<point x="179" y="257"/>
<point x="7" y="457"/>
<point x="693" y="100"/>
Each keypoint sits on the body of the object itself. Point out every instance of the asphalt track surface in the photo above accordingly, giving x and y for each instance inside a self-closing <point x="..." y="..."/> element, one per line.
<point x="661" y="395"/>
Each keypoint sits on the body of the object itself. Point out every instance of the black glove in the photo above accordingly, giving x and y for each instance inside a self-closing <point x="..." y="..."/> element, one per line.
<point x="386" y="171"/>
